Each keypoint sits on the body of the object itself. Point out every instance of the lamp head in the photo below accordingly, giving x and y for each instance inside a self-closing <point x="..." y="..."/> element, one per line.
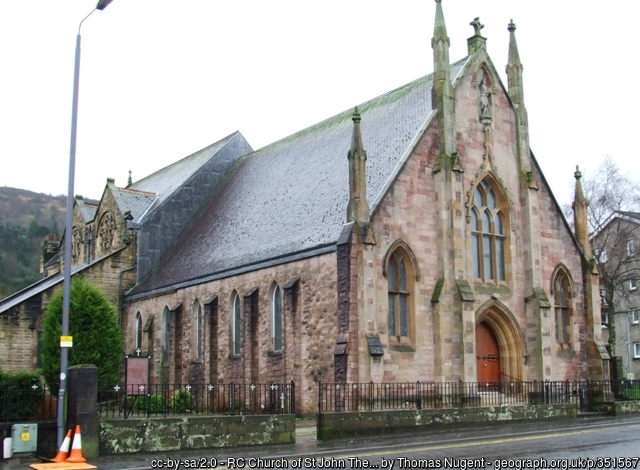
<point x="102" y="4"/>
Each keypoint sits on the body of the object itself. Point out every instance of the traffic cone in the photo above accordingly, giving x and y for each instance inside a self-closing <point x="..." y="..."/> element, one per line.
<point x="64" y="449"/>
<point x="76" y="449"/>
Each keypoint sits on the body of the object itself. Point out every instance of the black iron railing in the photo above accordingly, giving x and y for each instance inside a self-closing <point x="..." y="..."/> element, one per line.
<point x="420" y="395"/>
<point x="180" y="399"/>
<point x="29" y="402"/>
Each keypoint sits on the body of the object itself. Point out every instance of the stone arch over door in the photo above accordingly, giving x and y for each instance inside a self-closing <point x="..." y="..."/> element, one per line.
<point x="501" y="322"/>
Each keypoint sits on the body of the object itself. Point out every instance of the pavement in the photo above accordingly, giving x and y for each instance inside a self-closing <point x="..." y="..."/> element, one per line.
<point x="307" y="445"/>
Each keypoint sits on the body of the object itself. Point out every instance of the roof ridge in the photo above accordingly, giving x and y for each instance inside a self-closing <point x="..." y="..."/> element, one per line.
<point x="349" y="111"/>
<point x="188" y="156"/>
<point x="139" y="191"/>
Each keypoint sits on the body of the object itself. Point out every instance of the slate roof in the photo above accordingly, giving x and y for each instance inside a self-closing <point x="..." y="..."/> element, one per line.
<point x="292" y="195"/>
<point x="42" y="285"/>
<point x="137" y="202"/>
<point x="87" y="208"/>
<point x="167" y="180"/>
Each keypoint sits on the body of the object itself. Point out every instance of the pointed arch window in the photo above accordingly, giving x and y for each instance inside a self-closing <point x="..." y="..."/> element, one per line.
<point x="277" y="320"/>
<point x="198" y="330"/>
<point x="562" y="307"/>
<point x="489" y="233"/>
<point x="400" y="287"/>
<point x="138" y="331"/>
<point x="166" y="334"/>
<point x="235" y="325"/>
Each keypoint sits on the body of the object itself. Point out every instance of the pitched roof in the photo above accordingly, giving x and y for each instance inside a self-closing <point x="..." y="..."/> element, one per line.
<point x="137" y="202"/>
<point x="167" y="180"/>
<point x="631" y="215"/>
<point x="87" y="208"/>
<point x="291" y="196"/>
<point x="43" y="284"/>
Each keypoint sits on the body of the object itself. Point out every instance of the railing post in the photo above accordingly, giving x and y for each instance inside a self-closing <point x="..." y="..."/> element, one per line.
<point x="419" y="398"/>
<point x="371" y="395"/>
<point x="232" y="398"/>
<point x="292" y="399"/>
<point x="319" y="418"/>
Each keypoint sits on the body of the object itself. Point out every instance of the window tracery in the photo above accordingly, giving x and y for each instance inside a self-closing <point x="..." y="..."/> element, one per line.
<point x="106" y="231"/>
<point x="488" y="232"/>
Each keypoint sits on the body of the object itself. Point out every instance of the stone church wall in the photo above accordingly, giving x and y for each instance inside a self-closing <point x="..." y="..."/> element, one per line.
<point x="310" y="329"/>
<point x="409" y="212"/>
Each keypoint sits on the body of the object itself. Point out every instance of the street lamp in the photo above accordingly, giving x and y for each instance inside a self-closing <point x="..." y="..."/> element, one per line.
<point x="64" y="351"/>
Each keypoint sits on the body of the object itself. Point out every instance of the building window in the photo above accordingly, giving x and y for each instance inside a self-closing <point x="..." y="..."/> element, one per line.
<point x="630" y="247"/>
<point x="634" y="317"/>
<point x="197" y="313"/>
<point x="106" y="233"/>
<point x="77" y="245"/>
<point x="603" y="255"/>
<point x="236" y="325"/>
<point x="488" y="233"/>
<point x="562" y="306"/>
<point x="633" y="284"/>
<point x="636" y="350"/>
<point x="604" y="319"/>
<point x="138" y="332"/>
<point x="277" y="320"/>
<point x="400" y="285"/>
<point x="166" y="327"/>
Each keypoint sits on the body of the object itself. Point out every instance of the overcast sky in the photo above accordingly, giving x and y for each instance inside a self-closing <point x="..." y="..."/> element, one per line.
<point x="162" y="79"/>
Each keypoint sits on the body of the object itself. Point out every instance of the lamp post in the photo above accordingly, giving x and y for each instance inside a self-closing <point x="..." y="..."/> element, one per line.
<point x="64" y="351"/>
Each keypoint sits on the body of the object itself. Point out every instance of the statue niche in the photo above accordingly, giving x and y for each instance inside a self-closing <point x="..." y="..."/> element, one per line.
<point x="484" y="95"/>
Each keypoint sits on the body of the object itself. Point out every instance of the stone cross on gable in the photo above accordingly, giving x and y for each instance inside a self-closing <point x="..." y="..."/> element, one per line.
<point x="477" y="26"/>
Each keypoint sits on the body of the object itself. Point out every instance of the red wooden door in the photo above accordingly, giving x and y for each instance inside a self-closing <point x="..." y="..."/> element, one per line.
<point x="487" y="354"/>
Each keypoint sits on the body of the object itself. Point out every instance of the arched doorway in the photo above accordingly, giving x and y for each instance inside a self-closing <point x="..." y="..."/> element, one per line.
<point x="487" y="355"/>
<point x="499" y="345"/>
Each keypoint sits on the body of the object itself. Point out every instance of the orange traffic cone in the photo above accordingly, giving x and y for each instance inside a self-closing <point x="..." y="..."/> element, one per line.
<point x="76" y="449"/>
<point x="64" y="449"/>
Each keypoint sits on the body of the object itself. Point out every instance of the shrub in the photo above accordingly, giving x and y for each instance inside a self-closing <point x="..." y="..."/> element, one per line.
<point x="155" y="404"/>
<point x="97" y="338"/>
<point x="21" y="394"/>
<point x="182" y="401"/>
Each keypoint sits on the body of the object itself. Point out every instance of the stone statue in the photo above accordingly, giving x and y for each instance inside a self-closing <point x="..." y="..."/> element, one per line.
<point x="484" y="96"/>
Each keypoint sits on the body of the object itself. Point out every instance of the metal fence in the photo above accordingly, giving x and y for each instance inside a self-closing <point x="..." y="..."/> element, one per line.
<point x="420" y="395"/>
<point x="27" y="402"/>
<point x="177" y="399"/>
<point x="626" y="389"/>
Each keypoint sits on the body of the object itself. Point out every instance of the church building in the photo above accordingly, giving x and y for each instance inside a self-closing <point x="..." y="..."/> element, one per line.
<point x="411" y="238"/>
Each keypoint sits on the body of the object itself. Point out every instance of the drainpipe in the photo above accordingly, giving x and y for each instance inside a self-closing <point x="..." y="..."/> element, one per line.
<point x="628" y="344"/>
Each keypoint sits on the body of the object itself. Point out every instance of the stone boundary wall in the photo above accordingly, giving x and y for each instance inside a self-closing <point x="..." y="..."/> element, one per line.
<point x="119" y="436"/>
<point x="623" y="407"/>
<point x="340" y="425"/>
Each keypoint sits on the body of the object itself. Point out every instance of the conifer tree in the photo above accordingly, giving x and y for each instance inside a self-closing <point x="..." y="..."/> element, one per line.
<point x="97" y="339"/>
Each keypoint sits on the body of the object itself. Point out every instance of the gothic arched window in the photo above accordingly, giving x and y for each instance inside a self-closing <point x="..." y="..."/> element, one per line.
<point x="400" y="286"/>
<point x="166" y="334"/>
<point x="235" y="325"/>
<point x="277" y="320"/>
<point x="197" y="317"/>
<point x="562" y="306"/>
<point x="488" y="232"/>
<point x="138" y="331"/>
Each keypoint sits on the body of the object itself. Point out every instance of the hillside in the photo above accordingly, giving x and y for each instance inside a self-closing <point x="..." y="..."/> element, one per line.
<point x="26" y="218"/>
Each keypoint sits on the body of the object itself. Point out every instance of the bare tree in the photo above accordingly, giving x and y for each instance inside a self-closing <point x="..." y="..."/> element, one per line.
<point x="614" y="224"/>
